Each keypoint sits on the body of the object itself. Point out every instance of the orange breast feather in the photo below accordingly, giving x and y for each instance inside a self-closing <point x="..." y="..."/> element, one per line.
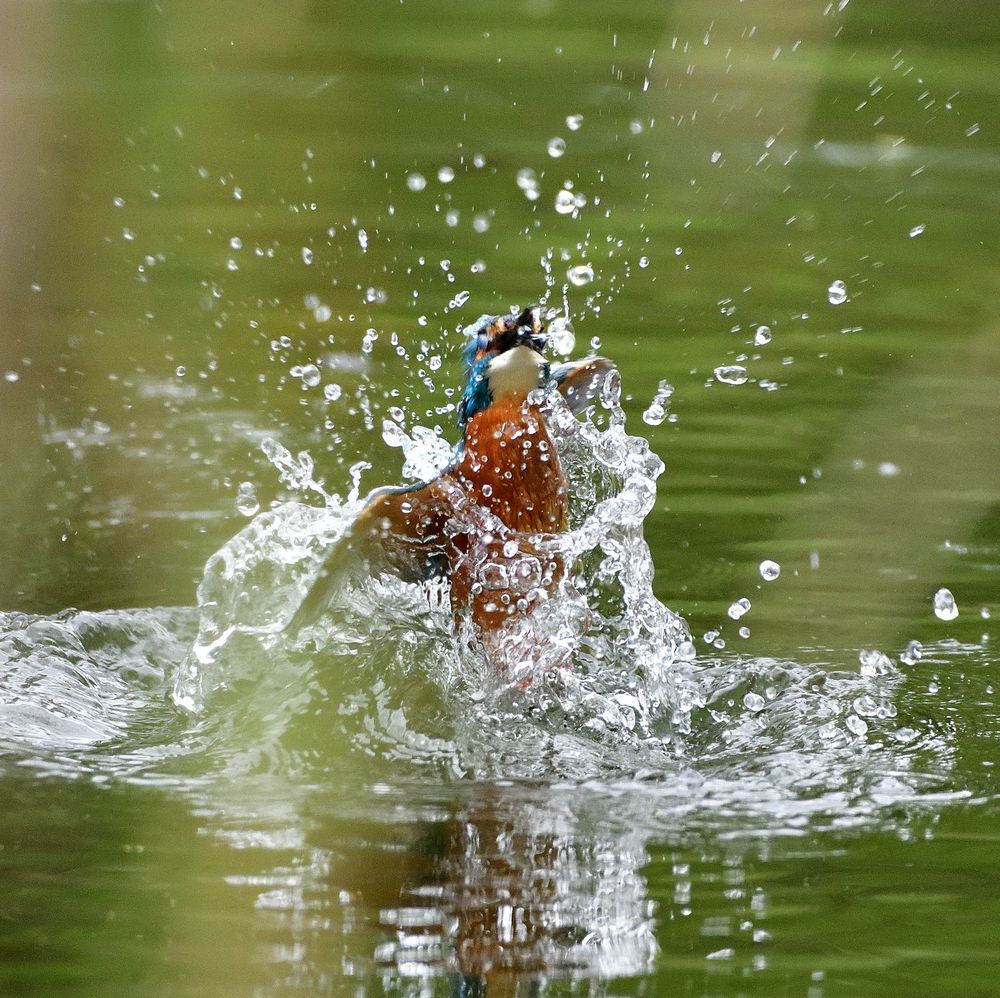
<point x="510" y="468"/>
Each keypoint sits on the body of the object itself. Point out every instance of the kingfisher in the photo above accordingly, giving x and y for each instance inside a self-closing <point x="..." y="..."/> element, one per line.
<point x="486" y="521"/>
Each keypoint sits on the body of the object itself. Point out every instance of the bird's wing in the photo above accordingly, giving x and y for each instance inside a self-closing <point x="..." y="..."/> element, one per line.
<point x="402" y="527"/>
<point x="580" y="381"/>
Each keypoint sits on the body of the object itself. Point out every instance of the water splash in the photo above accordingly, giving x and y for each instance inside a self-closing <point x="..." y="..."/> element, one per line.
<point x="600" y="681"/>
<point x="613" y="702"/>
<point x="656" y="412"/>
<point x="80" y="682"/>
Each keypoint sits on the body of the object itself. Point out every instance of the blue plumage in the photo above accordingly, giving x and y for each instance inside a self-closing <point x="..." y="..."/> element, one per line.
<point x="477" y="391"/>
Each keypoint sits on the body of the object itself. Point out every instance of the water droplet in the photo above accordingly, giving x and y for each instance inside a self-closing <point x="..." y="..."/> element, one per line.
<point x="565" y="202"/>
<point x="972" y="129"/>
<point x="459" y="300"/>
<point x="128" y="235"/>
<point x="556" y="147"/>
<point x="310" y="375"/>
<point x="393" y="434"/>
<point x="643" y="262"/>
<point x="307" y="255"/>
<point x="562" y="338"/>
<point x="739" y="608"/>
<point x="716" y="156"/>
<point x="769" y="570"/>
<point x="363" y="240"/>
<point x="481" y="223"/>
<point x="574" y="121"/>
<point x="581" y="274"/>
<point x="322" y="313"/>
<point x="865" y="706"/>
<point x="446" y="174"/>
<point x="332" y="392"/>
<point x="945" y="607"/>
<point x="875" y="663"/>
<point x="732" y="374"/>
<point x="246" y="499"/>
<point x="236" y="243"/>
<point x="657" y="410"/>
<point x="416" y="181"/>
<point x="913" y="653"/>
<point x="376" y="296"/>
<point x="856" y="725"/>
<point x="754" y="702"/>
<point x="744" y="631"/>
<point x="836" y="293"/>
<point x="722" y="954"/>
<point x="917" y="230"/>
<point x="11" y="377"/>
<point x="527" y="180"/>
<point x="762" y="336"/>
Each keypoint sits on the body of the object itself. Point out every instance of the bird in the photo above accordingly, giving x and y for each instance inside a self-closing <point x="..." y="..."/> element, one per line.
<point x="486" y="522"/>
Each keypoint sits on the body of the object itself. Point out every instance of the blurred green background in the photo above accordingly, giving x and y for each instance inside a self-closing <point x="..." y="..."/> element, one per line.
<point x="202" y="199"/>
<point x="167" y="166"/>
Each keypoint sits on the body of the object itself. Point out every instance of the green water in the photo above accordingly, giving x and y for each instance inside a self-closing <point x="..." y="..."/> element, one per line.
<point x="169" y="170"/>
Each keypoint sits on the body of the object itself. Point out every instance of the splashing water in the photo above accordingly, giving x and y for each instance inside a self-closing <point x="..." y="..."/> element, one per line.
<point x="600" y="681"/>
<point x="613" y="702"/>
<point x="656" y="412"/>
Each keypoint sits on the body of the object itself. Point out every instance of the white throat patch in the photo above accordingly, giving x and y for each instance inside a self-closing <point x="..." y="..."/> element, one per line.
<point x="516" y="371"/>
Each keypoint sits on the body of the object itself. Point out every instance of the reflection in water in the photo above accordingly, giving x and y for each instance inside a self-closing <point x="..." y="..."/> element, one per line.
<point x="497" y="896"/>
<point x="520" y="889"/>
<point x="352" y="852"/>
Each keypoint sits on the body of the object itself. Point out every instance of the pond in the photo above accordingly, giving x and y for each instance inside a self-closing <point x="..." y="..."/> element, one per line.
<point x="238" y="250"/>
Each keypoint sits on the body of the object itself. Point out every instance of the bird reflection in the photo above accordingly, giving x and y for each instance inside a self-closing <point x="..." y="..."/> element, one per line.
<point x="516" y="894"/>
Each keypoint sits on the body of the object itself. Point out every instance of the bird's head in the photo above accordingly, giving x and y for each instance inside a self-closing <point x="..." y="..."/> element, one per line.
<point x="504" y="357"/>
